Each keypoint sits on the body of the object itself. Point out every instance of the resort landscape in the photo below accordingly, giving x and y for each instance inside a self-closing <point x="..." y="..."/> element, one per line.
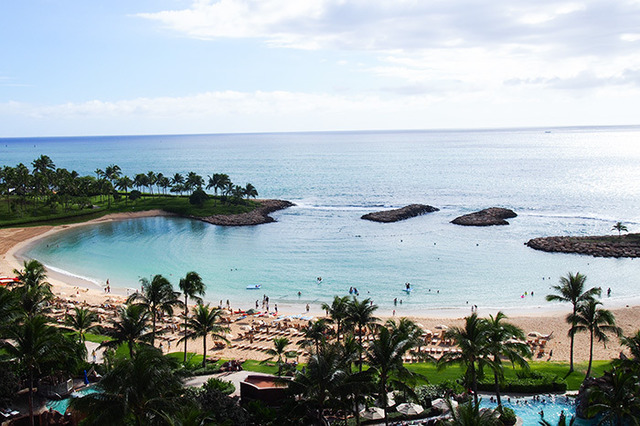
<point x="319" y="212"/>
<point x="337" y="365"/>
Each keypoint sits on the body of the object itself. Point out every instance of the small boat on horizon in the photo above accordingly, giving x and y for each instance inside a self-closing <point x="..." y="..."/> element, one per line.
<point x="254" y="287"/>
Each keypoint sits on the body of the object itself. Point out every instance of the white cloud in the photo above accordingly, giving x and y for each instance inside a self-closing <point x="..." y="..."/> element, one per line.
<point x="461" y="45"/>
<point x="409" y="25"/>
<point x="421" y="106"/>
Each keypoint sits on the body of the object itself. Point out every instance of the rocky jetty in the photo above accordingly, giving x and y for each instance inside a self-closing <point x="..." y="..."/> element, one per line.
<point x="486" y="217"/>
<point x="255" y="217"/>
<point x="412" y="210"/>
<point x="598" y="246"/>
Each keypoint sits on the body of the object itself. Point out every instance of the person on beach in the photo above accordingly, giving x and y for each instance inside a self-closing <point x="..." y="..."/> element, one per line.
<point x="275" y="307"/>
<point x="307" y="307"/>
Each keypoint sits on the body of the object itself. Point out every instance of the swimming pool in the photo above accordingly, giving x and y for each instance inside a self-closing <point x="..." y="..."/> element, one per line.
<point x="530" y="411"/>
<point x="61" y="405"/>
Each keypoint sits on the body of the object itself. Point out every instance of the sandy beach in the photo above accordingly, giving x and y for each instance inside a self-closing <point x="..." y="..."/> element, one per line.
<point x="78" y="291"/>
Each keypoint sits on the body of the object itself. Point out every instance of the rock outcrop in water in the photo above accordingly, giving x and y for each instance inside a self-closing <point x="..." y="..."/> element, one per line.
<point x="403" y="213"/>
<point x="486" y="217"/>
<point x="255" y="217"/>
<point x="597" y="246"/>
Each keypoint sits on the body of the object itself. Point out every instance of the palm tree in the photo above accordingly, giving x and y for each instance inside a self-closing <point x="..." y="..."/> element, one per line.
<point x="571" y="289"/>
<point x="131" y="327"/>
<point x="360" y="316"/>
<point x="470" y="414"/>
<point x="9" y="308"/>
<point x="157" y="297"/>
<point x="204" y="323"/>
<point x="83" y="322"/>
<point x="194" y="180"/>
<point x="112" y="172"/>
<point x="192" y="287"/>
<point x="250" y="191"/>
<point x="633" y="343"/>
<point x="596" y="321"/>
<point x="618" y="403"/>
<point x="322" y="383"/>
<point x="33" y="292"/>
<point x="472" y="340"/>
<point x="134" y="392"/>
<point x="315" y="333"/>
<point x="505" y="341"/>
<point x="39" y="348"/>
<point x="280" y="350"/>
<point x="123" y="184"/>
<point x="384" y="357"/>
<point x="338" y="311"/>
<point x="152" y="178"/>
<point x="620" y="228"/>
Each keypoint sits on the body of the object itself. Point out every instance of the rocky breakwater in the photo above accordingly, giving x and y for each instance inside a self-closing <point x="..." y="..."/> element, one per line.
<point x="255" y="217"/>
<point x="412" y="210"/>
<point x="486" y="217"/>
<point x="598" y="246"/>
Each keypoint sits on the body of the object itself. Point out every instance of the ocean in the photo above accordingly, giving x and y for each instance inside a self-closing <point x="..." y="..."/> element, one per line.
<point x="560" y="181"/>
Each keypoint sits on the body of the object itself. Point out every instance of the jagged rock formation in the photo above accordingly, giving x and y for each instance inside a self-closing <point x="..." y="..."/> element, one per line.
<point x="412" y="210"/>
<point x="255" y="217"/>
<point x="598" y="246"/>
<point x="486" y="217"/>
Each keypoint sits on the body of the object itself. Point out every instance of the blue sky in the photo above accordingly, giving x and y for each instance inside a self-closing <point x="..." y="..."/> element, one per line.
<point x="204" y="66"/>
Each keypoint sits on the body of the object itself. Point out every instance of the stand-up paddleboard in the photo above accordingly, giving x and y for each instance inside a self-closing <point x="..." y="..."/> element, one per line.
<point x="407" y="290"/>
<point x="254" y="287"/>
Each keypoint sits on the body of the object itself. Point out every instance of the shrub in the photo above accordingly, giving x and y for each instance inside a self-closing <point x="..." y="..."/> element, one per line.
<point x="527" y="382"/>
<point x="198" y="197"/>
<point x="427" y="393"/>
<point x="223" y="386"/>
<point x="134" y="195"/>
<point x="508" y="416"/>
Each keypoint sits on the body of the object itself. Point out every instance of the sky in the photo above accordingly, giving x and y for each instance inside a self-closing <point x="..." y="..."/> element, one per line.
<point x="82" y="68"/>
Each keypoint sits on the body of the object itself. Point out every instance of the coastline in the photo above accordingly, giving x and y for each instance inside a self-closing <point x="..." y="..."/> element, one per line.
<point x="543" y="319"/>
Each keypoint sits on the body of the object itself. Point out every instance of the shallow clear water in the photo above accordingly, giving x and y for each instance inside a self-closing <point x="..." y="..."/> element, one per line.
<point x="568" y="182"/>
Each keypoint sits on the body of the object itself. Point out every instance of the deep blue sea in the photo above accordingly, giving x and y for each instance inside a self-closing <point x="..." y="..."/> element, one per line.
<point x="560" y="181"/>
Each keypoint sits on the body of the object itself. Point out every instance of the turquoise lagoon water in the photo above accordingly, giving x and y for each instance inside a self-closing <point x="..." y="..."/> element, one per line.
<point x="576" y="181"/>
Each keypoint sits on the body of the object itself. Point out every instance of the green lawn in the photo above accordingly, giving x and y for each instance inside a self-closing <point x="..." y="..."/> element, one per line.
<point x="170" y="203"/>
<point x="555" y="368"/>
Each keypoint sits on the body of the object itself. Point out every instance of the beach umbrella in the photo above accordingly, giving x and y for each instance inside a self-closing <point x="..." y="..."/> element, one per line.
<point x="245" y="327"/>
<point x="229" y="336"/>
<point x="442" y="327"/>
<point x="427" y="332"/>
<point x="372" y="413"/>
<point x="409" y="408"/>
<point x="441" y="404"/>
<point x="534" y="334"/>
<point x="252" y="311"/>
<point x="420" y="325"/>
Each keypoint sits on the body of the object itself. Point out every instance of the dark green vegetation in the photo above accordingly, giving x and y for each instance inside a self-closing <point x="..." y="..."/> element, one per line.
<point x="360" y="365"/>
<point x="46" y="194"/>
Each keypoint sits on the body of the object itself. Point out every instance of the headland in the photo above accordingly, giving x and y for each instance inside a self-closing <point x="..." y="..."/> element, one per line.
<point x="597" y="246"/>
